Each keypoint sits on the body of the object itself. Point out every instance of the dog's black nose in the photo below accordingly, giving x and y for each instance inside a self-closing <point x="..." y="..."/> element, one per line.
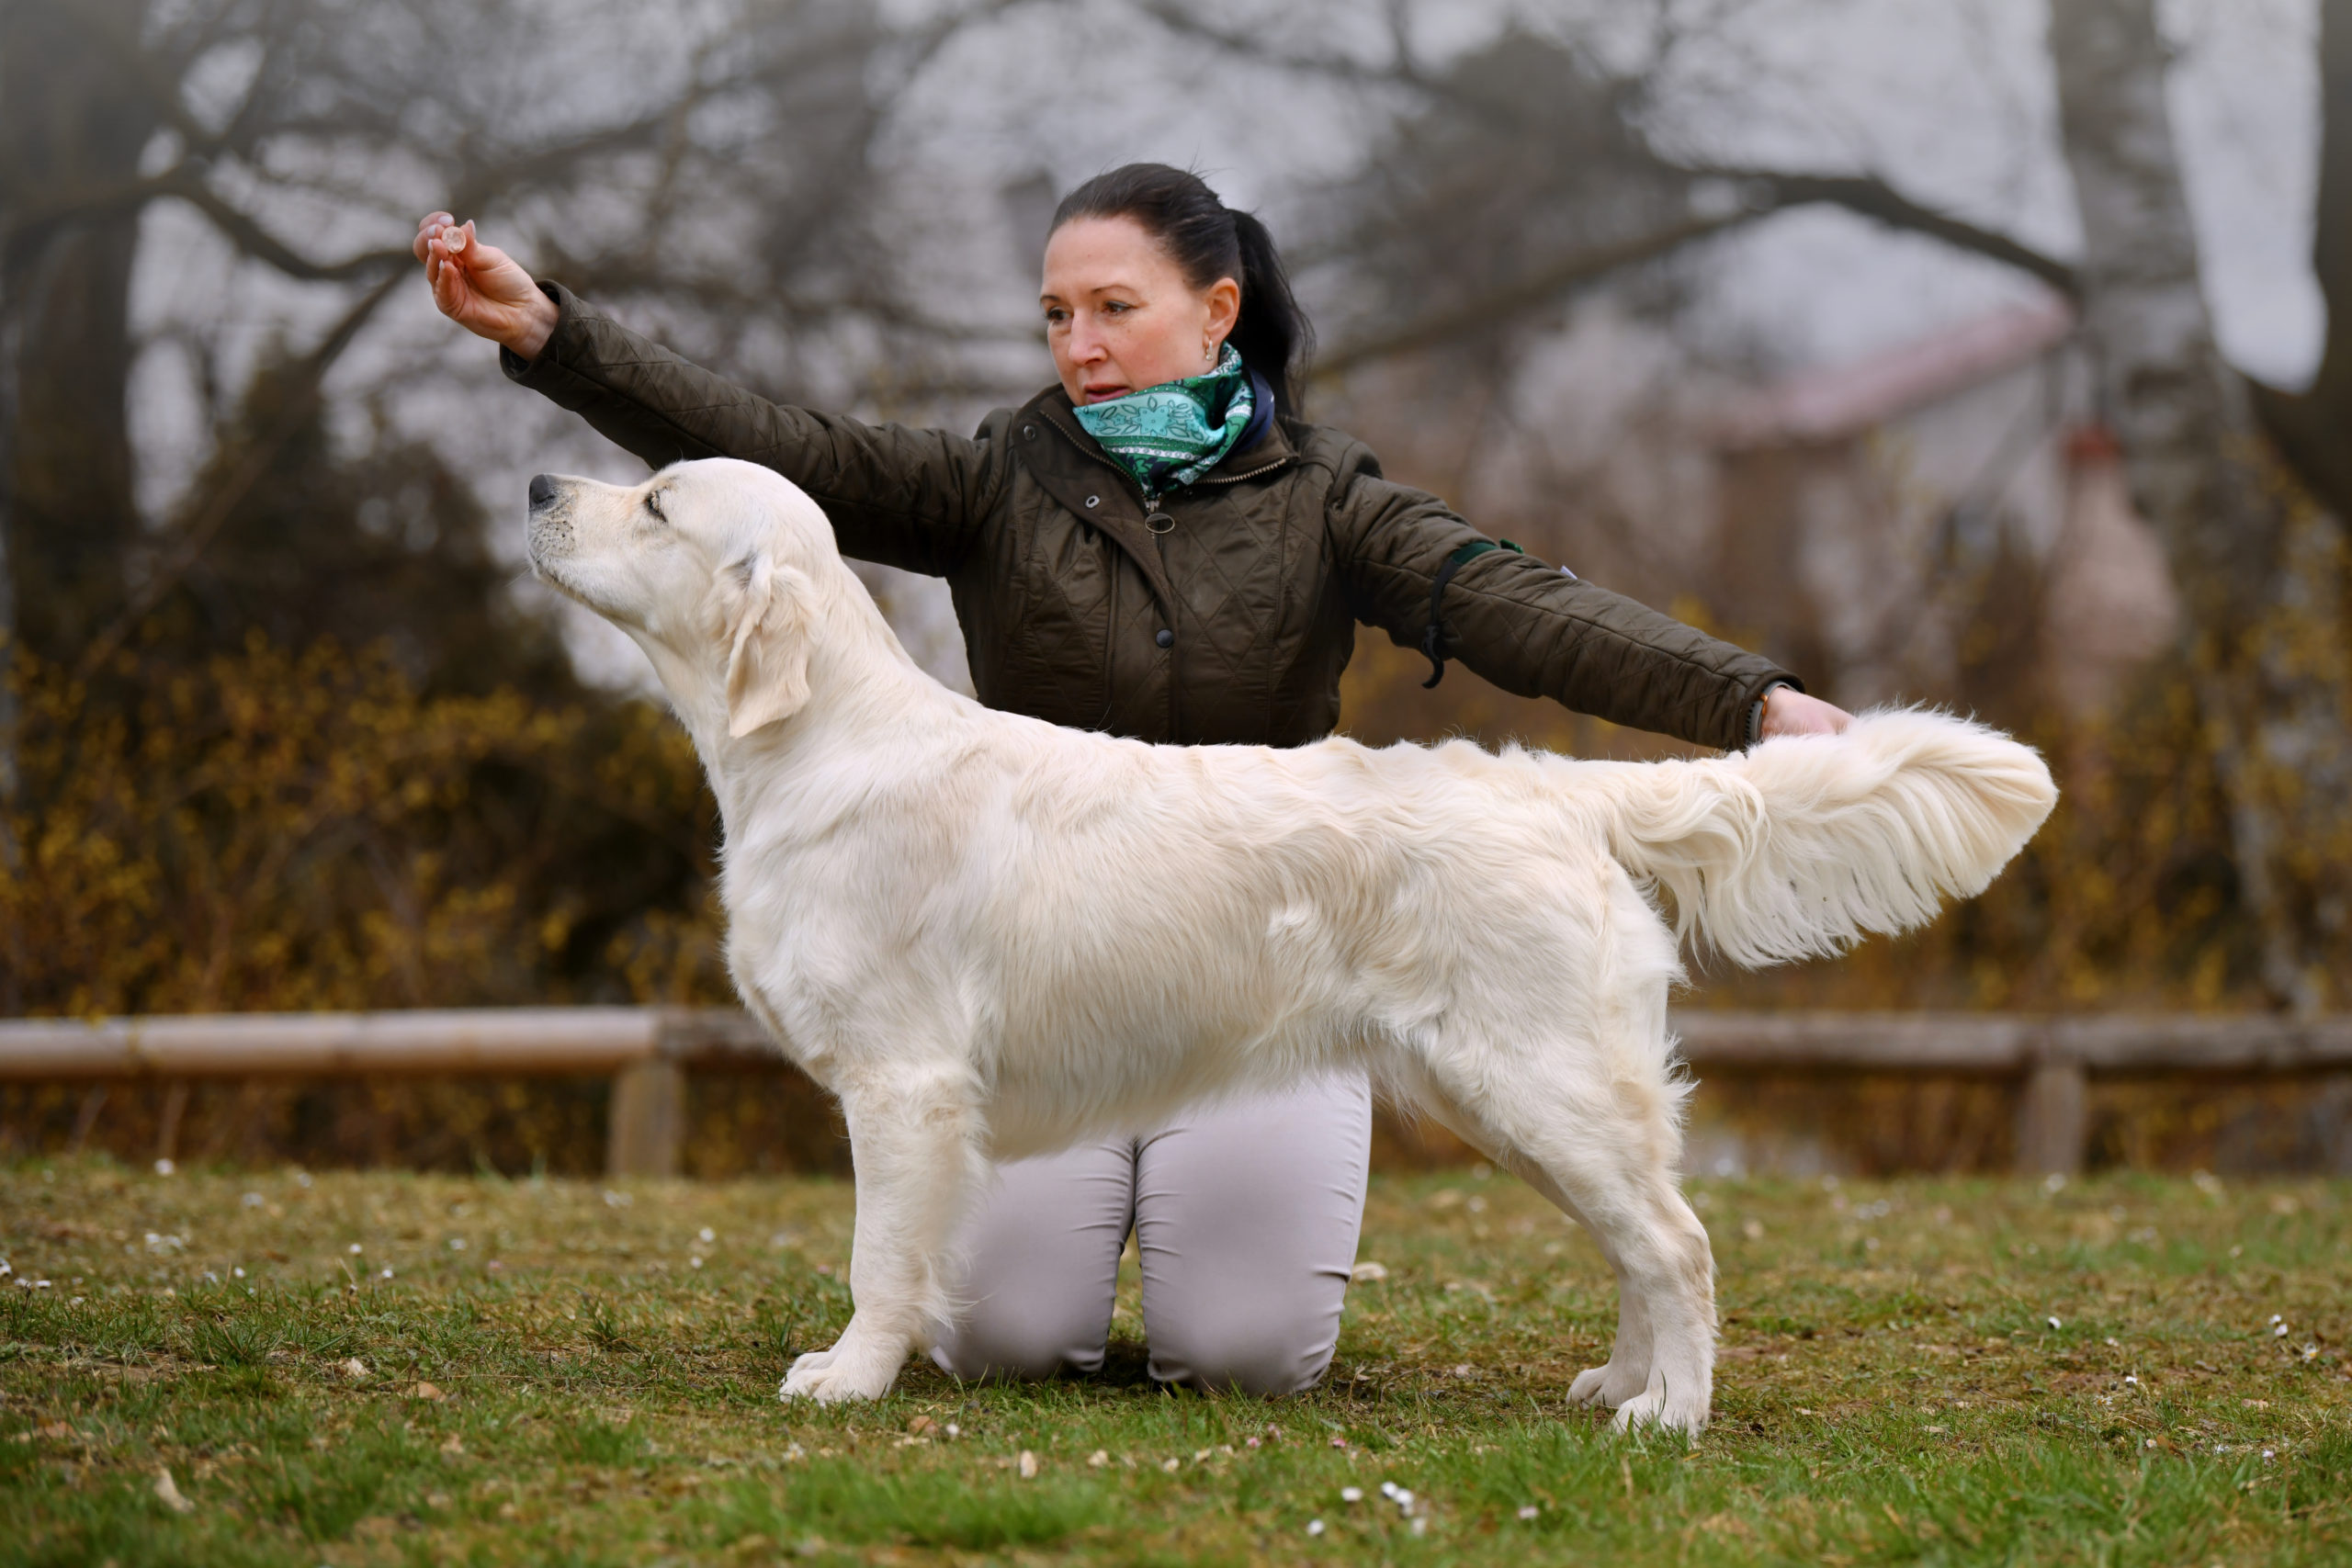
<point x="542" y="490"/>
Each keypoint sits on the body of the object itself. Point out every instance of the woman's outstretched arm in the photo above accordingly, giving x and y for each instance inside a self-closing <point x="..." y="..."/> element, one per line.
<point x="1535" y="630"/>
<point x="907" y="498"/>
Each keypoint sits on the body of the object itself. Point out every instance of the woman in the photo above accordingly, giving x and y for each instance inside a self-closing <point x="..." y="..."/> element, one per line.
<point x="1160" y="547"/>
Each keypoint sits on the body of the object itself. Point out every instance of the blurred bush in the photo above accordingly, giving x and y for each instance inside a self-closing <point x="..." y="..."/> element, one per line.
<point x="261" y="829"/>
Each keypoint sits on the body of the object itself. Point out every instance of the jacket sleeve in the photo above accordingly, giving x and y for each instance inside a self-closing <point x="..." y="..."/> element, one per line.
<point x="907" y="498"/>
<point x="1534" y="629"/>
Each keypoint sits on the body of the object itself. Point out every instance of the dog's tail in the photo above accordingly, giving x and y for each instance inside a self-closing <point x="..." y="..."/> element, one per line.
<point x="1798" y="846"/>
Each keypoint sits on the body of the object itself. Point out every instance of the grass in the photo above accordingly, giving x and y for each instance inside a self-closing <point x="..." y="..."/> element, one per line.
<point x="1919" y="1371"/>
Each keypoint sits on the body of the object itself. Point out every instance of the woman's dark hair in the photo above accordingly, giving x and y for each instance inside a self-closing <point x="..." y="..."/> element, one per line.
<point x="1208" y="239"/>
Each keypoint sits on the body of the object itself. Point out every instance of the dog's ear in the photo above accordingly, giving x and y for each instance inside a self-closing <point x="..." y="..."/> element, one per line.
<point x="764" y="614"/>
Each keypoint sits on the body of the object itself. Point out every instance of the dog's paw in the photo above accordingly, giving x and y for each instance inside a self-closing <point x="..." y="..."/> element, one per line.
<point x="1664" y="1409"/>
<point x="1609" y="1386"/>
<point x="829" y="1378"/>
<point x="795" y="1383"/>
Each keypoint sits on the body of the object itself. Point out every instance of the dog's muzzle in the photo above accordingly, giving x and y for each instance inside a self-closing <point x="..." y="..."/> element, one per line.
<point x="550" y="531"/>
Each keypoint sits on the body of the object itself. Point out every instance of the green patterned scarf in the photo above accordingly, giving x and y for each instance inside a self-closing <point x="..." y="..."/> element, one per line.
<point x="1170" y="434"/>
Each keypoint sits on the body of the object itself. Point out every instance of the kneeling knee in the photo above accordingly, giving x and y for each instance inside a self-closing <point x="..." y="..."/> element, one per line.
<point x="1001" y="1345"/>
<point x="1257" y="1359"/>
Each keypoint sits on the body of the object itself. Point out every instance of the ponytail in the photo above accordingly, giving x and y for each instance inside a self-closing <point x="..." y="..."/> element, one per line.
<point x="1274" y="333"/>
<point x="1208" y="241"/>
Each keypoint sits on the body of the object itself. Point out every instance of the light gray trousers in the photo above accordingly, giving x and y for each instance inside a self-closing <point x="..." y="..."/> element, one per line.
<point x="1245" y="1216"/>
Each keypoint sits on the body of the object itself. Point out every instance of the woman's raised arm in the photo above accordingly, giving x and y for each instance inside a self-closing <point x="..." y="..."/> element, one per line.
<point x="908" y="498"/>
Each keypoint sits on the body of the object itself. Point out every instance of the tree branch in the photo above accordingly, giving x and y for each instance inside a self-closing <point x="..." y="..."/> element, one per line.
<point x="257" y="242"/>
<point x="1404" y="72"/>
<point x="36" y="209"/>
<point x="1872" y="197"/>
<point x="1767" y="192"/>
<point x="1584" y="266"/>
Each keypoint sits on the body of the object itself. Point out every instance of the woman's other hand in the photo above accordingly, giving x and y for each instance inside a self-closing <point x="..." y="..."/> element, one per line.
<point x="1787" y="711"/>
<point x="482" y="287"/>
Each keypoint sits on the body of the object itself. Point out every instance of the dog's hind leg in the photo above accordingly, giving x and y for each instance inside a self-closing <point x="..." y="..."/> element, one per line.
<point x="1592" y="1119"/>
<point x="1627" y="1372"/>
<point x="1666" y="1272"/>
<point x="1601" y="1169"/>
<point x="915" y="1138"/>
<point x="1661" y="1367"/>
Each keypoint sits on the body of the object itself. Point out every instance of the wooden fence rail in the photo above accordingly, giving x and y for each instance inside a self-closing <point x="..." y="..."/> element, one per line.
<point x="646" y="1052"/>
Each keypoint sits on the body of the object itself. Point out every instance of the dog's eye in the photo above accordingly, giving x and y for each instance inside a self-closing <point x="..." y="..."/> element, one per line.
<point x="653" y="503"/>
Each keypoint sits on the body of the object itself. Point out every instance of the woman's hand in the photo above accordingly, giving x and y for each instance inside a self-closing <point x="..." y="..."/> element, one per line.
<point x="481" y="288"/>
<point x="1787" y="711"/>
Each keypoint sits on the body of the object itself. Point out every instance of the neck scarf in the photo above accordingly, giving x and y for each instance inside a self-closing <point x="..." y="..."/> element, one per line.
<point x="1170" y="434"/>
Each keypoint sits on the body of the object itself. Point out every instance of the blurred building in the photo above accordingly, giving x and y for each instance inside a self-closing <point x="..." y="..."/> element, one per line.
<point x="1870" y="498"/>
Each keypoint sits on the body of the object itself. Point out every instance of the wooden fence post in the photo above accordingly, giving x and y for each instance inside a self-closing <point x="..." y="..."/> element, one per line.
<point x="648" y="1119"/>
<point x="167" y="1128"/>
<point x="2053" y="1115"/>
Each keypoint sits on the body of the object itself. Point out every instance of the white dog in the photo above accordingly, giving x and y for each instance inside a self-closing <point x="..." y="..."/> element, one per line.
<point x="991" y="936"/>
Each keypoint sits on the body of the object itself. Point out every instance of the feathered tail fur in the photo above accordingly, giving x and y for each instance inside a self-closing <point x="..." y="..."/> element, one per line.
<point x="1796" y="847"/>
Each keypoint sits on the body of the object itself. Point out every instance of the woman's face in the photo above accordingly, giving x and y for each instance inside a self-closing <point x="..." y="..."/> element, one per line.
<point x="1119" y="315"/>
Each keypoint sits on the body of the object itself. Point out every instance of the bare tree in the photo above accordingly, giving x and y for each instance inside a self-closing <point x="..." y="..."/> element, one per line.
<point x="726" y="171"/>
<point x="2314" y="427"/>
<point x="70" y="122"/>
<point x="1588" y="191"/>
<point x="2259" y="576"/>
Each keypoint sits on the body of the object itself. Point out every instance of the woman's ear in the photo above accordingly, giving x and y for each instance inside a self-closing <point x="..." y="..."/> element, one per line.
<point x="1223" y="302"/>
<point x="765" y="615"/>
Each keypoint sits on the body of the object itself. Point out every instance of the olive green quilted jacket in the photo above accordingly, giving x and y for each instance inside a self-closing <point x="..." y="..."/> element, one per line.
<point x="1225" y="616"/>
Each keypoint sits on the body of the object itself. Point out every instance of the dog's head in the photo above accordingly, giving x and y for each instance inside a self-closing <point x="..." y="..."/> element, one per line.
<point x="712" y="567"/>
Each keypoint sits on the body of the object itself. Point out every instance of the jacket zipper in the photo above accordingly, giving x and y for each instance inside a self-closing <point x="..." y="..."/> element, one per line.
<point x="1236" y="479"/>
<point x="1175" y="718"/>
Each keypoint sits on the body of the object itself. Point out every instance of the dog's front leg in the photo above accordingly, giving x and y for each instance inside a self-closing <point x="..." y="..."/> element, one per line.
<point x="915" y="1142"/>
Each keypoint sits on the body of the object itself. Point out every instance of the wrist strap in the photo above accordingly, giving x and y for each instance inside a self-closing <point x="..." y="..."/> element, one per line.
<point x="1433" y="635"/>
<point x="1756" y="712"/>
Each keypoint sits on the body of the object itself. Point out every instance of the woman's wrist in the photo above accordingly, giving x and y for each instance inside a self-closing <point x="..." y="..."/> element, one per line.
<point x="539" y="325"/>
<point x="1784" y="709"/>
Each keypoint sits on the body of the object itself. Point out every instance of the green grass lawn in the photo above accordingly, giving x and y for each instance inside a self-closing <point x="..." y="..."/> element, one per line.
<point x="430" y="1369"/>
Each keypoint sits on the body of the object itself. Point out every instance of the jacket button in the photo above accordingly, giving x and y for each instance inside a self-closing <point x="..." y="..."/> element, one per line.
<point x="1166" y="638"/>
<point x="1094" y="500"/>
